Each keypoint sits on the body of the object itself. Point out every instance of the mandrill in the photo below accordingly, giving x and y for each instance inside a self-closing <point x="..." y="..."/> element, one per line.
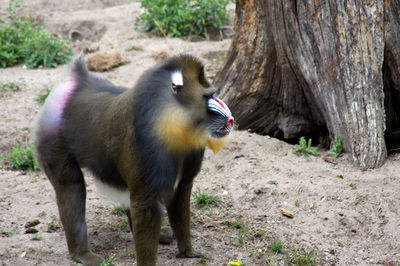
<point x="144" y="146"/>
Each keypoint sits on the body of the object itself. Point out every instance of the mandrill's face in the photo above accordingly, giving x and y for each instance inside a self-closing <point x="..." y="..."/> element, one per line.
<point x="220" y="123"/>
<point x="219" y="118"/>
<point x="194" y="119"/>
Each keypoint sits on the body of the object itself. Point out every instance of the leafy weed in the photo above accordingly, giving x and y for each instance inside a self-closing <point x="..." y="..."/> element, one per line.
<point x="337" y="147"/>
<point x="22" y="158"/>
<point x="304" y="147"/>
<point x="205" y="200"/>
<point x="23" y="41"/>
<point x="172" y="18"/>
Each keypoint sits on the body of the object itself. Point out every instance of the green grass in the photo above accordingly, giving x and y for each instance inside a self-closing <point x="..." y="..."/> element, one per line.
<point x="108" y="261"/>
<point x="337" y="147"/>
<point x="233" y="223"/>
<point x="123" y="224"/>
<point x="260" y="233"/>
<point x="242" y="236"/>
<point x="23" y="41"/>
<point x="12" y="86"/>
<point x="41" y="97"/>
<point x="178" y="18"/>
<point x="290" y="256"/>
<point x="118" y="210"/>
<point x="36" y="238"/>
<point x="276" y="245"/>
<point x="304" y="147"/>
<point x="296" y="257"/>
<point x="9" y="233"/>
<point x="22" y="158"/>
<point x="205" y="200"/>
<point x="51" y="225"/>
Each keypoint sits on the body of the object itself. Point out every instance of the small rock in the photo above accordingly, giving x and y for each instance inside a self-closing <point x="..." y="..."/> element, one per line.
<point x="31" y="230"/>
<point x="103" y="61"/>
<point x="258" y="191"/>
<point x="32" y="223"/>
<point x="287" y="213"/>
<point x="45" y="228"/>
<point x="161" y="55"/>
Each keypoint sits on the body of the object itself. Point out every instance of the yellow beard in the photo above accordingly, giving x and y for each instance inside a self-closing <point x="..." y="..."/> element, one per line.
<point x="176" y="132"/>
<point x="217" y="144"/>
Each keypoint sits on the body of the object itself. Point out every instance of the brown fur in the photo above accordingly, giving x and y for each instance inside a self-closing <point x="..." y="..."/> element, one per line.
<point x="148" y="141"/>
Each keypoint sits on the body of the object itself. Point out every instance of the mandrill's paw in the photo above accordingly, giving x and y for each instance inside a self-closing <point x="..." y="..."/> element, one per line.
<point x="88" y="258"/>
<point x="166" y="236"/>
<point x="189" y="254"/>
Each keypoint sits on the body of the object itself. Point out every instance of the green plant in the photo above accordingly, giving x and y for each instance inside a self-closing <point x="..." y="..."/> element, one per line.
<point x="337" y="147"/>
<point x="36" y="238"/>
<point x="233" y="223"/>
<point x="51" y="225"/>
<point x="204" y="199"/>
<point x="41" y="97"/>
<point x="10" y="233"/>
<point x="241" y="236"/>
<point x="123" y="224"/>
<point x="22" y="158"/>
<point x="260" y="233"/>
<point x="297" y="203"/>
<point x="304" y="147"/>
<point x="203" y="260"/>
<point x="13" y="86"/>
<point x="118" y="210"/>
<point x="182" y="17"/>
<point x="42" y="48"/>
<point x="295" y="257"/>
<point x="276" y="245"/>
<point x="22" y="40"/>
<point x="108" y="261"/>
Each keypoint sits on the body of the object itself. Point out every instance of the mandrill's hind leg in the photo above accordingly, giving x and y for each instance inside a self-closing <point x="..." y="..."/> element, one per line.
<point x="67" y="180"/>
<point x="166" y="235"/>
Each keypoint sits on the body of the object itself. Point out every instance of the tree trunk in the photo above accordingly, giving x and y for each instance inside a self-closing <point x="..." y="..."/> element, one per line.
<point x="317" y="69"/>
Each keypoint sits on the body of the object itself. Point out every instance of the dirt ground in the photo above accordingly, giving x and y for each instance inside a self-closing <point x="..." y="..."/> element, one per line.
<point x="342" y="215"/>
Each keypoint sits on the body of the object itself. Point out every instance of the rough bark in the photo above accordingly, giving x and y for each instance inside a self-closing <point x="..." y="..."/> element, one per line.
<point x="391" y="74"/>
<point x="316" y="68"/>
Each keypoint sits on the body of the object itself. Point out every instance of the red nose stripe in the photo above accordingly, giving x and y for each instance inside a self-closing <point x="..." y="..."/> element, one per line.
<point x="231" y="120"/>
<point x="220" y="103"/>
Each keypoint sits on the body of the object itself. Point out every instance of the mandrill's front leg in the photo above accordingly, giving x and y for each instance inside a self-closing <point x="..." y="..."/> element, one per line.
<point x="146" y="223"/>
<point x="179" y="218"/>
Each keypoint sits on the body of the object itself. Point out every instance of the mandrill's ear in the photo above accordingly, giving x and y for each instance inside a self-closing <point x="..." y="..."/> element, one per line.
<point x="177" y="81"/>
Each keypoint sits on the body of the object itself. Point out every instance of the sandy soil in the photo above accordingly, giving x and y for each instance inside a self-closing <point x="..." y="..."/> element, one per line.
<point x="343" y="215"/>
